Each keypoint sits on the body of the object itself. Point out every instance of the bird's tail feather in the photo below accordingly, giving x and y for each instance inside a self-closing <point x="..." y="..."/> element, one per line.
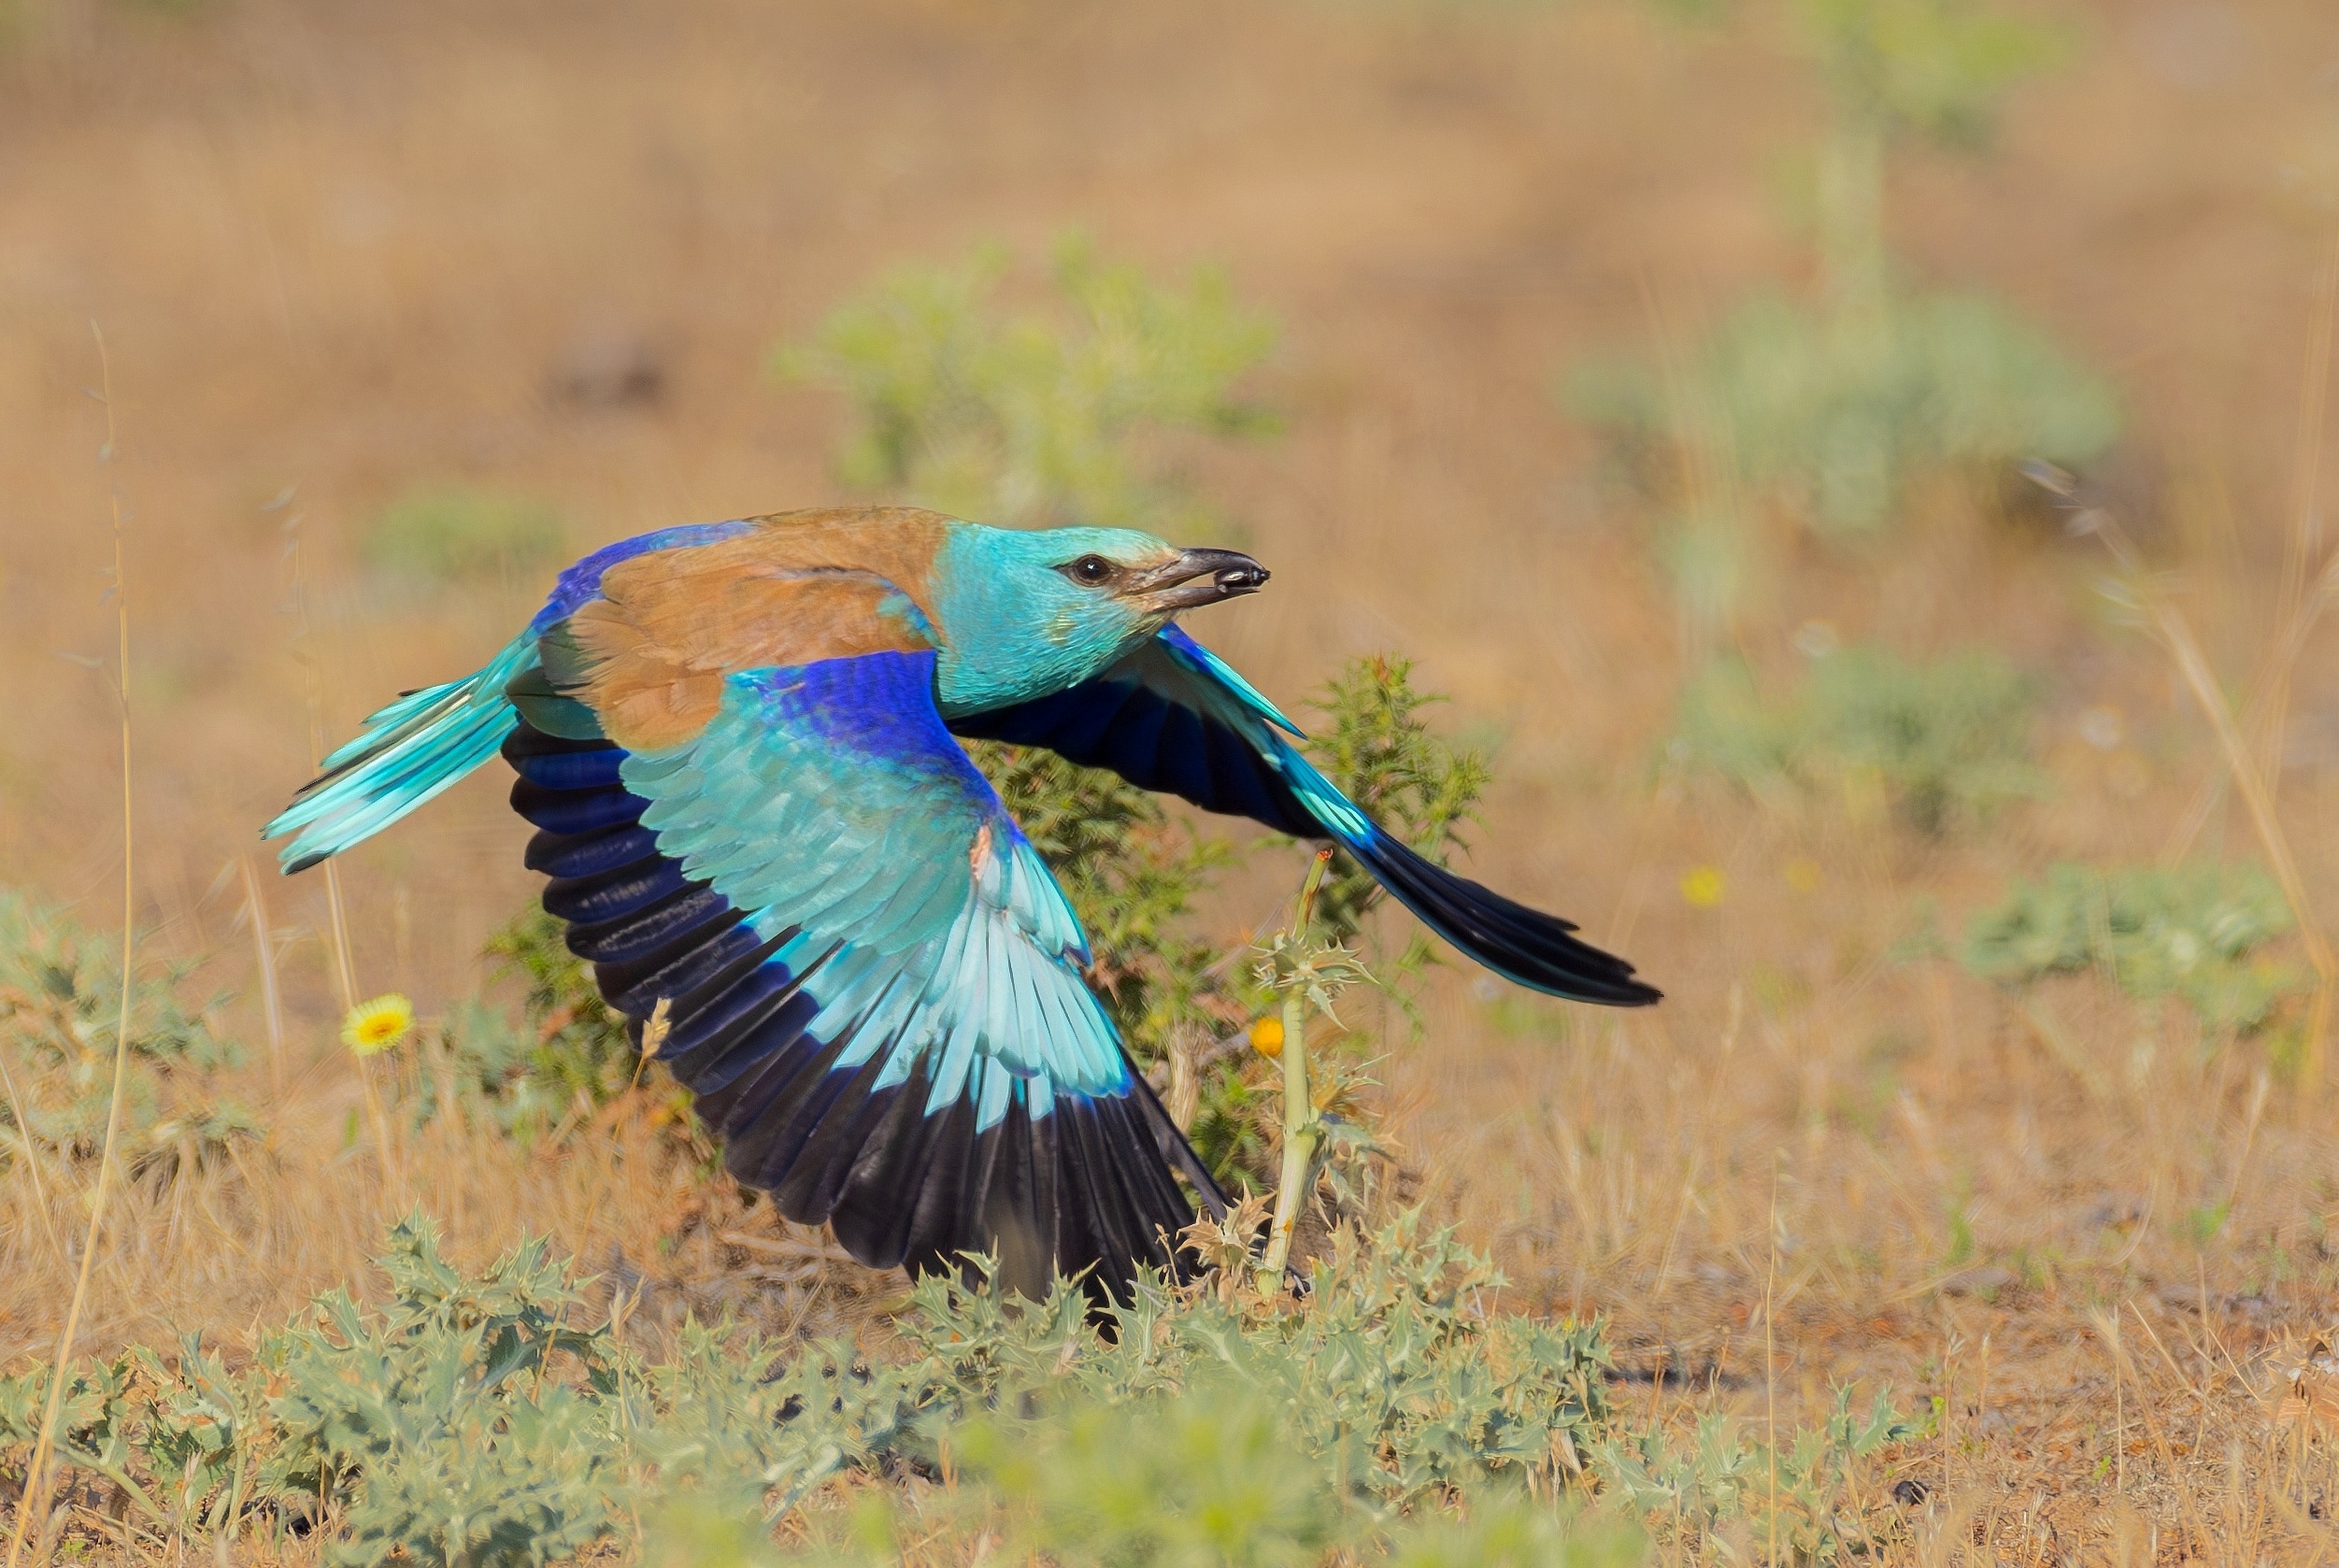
<point x="407" y="752"/>
<point x="1537" y="949"/>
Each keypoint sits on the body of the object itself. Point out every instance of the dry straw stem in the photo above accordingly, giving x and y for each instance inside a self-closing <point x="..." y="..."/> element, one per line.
<point x="31" y="1164"/>
<point x="2305" y="541"/>
<point x="344" y="965"/>
<point x="2175" y="633"/>
<point x="263" y="963"/>
<point x="2301" y="603"/>
<point x="35" y="1496"/>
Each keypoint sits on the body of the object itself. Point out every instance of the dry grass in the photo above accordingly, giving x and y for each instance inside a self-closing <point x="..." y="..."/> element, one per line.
<point x="338" y="252"/>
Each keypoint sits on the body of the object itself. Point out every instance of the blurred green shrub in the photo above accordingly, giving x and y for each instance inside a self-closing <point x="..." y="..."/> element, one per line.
<point x="2197" y="932"/>
<point x="1214" y="1472"/>
<point x="447" y="535"/>
<point x="1938" y="69"/>
<point x="1827" y="409"/>
<point x="1035" y="418"/>
<point x="60" y="1004"/>
<point x="481" y="1062"/>
<point x="1517" y="1531"/>
<point x="1835" y="423"/>
<point x="1943" y="742"/>
<point x="1205" y="1473"/>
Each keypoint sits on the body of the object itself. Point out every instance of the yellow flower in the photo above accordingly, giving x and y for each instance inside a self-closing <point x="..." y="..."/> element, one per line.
<point x="1266" y="1036"/>
<point x="373" y="1027"/>
<point x="1703" y="886"/>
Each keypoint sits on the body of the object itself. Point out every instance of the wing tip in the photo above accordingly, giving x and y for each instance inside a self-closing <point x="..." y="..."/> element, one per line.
<point x="1523" y="945"/>
<point x="1628" y="993"/>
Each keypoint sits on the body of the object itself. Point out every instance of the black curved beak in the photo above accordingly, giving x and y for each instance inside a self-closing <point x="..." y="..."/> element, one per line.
<point x="1197" y="577"/>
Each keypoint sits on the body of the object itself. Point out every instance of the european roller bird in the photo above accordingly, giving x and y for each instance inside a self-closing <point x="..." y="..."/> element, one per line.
<point x="739" y="745"/>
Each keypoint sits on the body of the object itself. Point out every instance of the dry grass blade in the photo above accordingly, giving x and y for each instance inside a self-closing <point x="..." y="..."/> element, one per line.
<point x="2177" y="636"/>
<point x="264" y="965"/>
<point x="36" y="1499"/>
<point x="2306" y="537"/>
<point x="2169" y="626"/>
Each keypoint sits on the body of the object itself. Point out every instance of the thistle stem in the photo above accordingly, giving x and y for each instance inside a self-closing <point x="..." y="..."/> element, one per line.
<point x="1302" y="1129"/>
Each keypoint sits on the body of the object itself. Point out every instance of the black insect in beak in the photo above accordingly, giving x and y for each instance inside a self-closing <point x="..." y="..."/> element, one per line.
<point x="1196" y="577"/>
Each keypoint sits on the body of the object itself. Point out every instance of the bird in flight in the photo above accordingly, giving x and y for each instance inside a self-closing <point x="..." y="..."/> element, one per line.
<point x="739" y="745"/>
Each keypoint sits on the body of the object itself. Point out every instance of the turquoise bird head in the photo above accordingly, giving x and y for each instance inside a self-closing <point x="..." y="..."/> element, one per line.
<point x="1023" y="614"/>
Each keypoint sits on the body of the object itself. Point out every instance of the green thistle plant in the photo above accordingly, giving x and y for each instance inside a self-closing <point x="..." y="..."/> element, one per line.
<point x="60" y="993"/>
<point x="2195" y="933"/>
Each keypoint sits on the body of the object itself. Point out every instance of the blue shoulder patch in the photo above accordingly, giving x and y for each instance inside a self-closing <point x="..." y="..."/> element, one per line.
<point x="582" y="580"/>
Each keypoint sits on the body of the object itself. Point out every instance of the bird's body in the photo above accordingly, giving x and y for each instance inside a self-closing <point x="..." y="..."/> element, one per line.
<point x="739" y="744"/>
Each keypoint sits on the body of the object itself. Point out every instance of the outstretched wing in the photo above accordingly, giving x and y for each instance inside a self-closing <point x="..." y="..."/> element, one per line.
<point x="1175" y="717"/>
<point x="872" y="980"/>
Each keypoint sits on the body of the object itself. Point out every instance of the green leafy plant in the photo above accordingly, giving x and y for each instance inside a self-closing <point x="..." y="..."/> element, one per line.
<point x="580" y="1046"/>
<point x="1799" y="1502"/>
<point x="2198" y="932"/>
<point x="488" y="1417"/>
<point x="1040" y="418"/>
<point x="473" y="1419"/>
<point x="60" y="990"/>
<point x="1943" y="742"/>
<point x="1401" y="1382"/>
<point x="1376" y="745"/>
<point x="418" y="1420"/>
<point x="470" y="1421"/>
<point x="450" y="535"/>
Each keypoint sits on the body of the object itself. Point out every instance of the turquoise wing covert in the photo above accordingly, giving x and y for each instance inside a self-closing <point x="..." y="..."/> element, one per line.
<point x="873" y="982"/>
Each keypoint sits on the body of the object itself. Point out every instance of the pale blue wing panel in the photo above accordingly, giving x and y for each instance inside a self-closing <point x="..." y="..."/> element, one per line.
<point x="830" y="804"/>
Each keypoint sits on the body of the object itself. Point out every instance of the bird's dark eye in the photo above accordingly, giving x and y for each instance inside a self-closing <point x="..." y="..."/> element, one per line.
<point x="1091" y="570"/>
